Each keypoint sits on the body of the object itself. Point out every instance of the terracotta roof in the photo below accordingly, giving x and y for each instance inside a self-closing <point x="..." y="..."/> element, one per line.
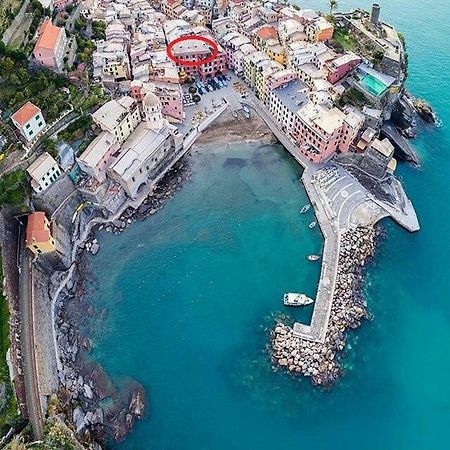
<point x="36" y="231"/>
<point x="48" y="36"/>
<point x="25" y="113"/>
<point x="267" y="33"/>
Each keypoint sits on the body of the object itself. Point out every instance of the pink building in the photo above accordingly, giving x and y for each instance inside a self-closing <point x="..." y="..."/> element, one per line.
<point x="341" y="66"/>
<point x="320" y="131"/>
<point x="193" y="51"/>
<point x="96" y="158"/>
<point x="50" y="48"/>
<point x="170" y="96"/>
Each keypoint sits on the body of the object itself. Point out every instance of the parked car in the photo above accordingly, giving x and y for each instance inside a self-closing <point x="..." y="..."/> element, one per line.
<point x="218" y="82"/>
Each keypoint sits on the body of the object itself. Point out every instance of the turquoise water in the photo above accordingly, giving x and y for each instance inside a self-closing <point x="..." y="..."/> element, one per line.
<point x="191" y="291"/>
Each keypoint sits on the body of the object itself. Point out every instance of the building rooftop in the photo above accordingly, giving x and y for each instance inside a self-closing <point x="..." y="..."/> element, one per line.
<point x="25" y="113"/>
<point x="137" y="148"/>
<point x="293" y="96"/>
<point x="41" y="166"/>
<point x="328" y="120"/>
<point x="36" y="229"/>
<point x="97" y="149"/>
<point x="111" y="114"/>
<point x="267" y="32"/>
<point x="48" y="35"/>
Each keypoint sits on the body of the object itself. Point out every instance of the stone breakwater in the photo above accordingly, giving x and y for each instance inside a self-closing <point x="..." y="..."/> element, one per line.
<point x="320" y="360"/>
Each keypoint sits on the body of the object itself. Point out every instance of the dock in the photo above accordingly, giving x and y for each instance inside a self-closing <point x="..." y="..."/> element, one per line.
<point x="340" y="203"/>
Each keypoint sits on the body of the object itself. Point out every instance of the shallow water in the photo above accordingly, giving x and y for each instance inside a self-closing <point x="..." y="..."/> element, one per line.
<point x="191" y="291"/>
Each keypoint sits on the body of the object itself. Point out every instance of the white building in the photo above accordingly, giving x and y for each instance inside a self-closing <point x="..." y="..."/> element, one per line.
<point x="29" y="121"/>
<point x="119" y="117"/>
<point x="147" y="152"/>
<point x="43" y="172"/>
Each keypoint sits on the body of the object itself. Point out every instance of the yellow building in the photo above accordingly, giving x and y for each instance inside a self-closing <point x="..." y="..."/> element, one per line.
<point x="277" y="53"/>
<point x="39" y="238"/>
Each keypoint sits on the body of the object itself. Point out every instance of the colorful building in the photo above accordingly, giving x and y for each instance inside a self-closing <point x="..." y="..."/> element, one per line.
<point x="39" y="238"/>
<point x="29" y="121"/>
<point x="98" y="155"/>
<point x="321" y="131"/>
<point x="50" y="48"/>
<point x="341" y="66"/>
<point x="119" y="117"/>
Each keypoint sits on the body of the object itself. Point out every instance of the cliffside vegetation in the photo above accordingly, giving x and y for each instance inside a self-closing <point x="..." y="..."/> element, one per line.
<point x="8" y="406"/>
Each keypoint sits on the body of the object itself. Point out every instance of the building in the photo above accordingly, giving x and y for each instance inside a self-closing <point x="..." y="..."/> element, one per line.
<point x="39" y="237"/>
<point x="29" y="121"/>
<point x="147" y="152"/>
<point x="320" y="131"/>
<point x="119" y="117"/>
<point x="285" y="101"/>
<point x="341" y="66"/>
<point x="50" y="48"/>
<point x="98" y="155"/>
<point x="43" y="172"/>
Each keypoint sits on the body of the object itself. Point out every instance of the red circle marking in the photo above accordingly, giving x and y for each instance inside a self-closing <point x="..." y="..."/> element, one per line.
<point x="193" y="37"/>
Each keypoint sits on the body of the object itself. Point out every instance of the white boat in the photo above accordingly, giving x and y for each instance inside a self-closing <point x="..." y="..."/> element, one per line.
<point x="247" y="114"/>
<point x="293" y="299"/>
<point x="246" y="108"/>
<point x="235" y="114"/>
<point x="312" y="224"/>
<point x="304" y="209"/>
<point x="313" y="257"/>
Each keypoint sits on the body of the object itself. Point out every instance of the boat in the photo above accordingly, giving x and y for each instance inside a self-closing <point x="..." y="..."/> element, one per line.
<point x="293" y="299"/>
<point x="235" y="114"/>
<point x="246" y="109"/>
<point x="247" y="114"/>
<point x="313" y="257"/>
<point x="304" y="209"/>
<point x="312" y="224"/>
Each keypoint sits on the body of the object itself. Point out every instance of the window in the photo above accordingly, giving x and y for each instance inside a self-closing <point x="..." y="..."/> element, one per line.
<point x="27" y="126"/>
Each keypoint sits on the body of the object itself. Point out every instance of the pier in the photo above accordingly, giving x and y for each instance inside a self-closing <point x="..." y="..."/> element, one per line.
<point x="340" y="203"/>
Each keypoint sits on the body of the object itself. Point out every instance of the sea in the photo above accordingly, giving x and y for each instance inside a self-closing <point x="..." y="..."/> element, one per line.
<point x="193" y="291"/>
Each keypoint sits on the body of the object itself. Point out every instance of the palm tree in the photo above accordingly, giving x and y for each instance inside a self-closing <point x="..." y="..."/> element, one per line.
<point x="333" y="5"/>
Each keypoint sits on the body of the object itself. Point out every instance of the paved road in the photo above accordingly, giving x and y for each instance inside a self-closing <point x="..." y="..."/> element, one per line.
<point x="27" y="343"/>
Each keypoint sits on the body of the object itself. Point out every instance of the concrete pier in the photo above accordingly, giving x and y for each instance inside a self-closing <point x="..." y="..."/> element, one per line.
<point x="340" y="203"/>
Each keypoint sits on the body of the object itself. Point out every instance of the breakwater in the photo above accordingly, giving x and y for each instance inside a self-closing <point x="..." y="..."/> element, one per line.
<point x="319" y="360"/>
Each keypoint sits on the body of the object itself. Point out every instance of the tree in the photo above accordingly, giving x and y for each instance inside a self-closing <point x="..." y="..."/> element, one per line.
<point x="333" y="5"/>
<point x="377" y="56"/>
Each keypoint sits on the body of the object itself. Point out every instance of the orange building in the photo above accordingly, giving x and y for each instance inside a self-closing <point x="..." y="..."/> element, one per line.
<point x="50" y="48"/>
<point x="39" y="238"/>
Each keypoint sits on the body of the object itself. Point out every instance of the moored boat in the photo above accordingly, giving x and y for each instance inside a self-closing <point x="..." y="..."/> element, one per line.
<point x="295" y="299"/>
<point x="304" y="209"/>
<point x="313" y="257"/>
<point x="312" y="224"/>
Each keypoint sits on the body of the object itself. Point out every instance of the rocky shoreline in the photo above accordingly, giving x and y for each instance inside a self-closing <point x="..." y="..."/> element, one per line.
<point x="321" y="361"/>
<point x="84" y="385"/>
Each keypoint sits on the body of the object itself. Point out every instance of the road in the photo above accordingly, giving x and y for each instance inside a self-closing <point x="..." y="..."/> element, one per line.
<point x="27" y="343"/>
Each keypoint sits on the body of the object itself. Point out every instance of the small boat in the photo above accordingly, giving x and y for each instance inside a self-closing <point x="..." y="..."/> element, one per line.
<point x="235" y="114"/>
<point x="312" y="224"/>
<point x="313" y="257"/>
<point x="304" y="209"/>
<point x="246" y="109"/>
<point x="247" y="114"/>
<point x="292" y="299"/>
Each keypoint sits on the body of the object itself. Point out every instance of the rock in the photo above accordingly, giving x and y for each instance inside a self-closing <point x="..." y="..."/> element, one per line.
<point x="78" y="419"/>
<point x="88" y="392"/>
